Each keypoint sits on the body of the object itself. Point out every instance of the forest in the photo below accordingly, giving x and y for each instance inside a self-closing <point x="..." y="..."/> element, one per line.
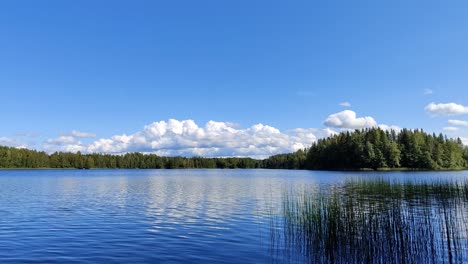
<point x="375" y="148"/>
<point x="361" y="149"/>
<point x="24" y="158"/>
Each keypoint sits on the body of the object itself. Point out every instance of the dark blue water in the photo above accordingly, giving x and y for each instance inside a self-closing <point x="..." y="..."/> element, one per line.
<point x="156" y="216"/>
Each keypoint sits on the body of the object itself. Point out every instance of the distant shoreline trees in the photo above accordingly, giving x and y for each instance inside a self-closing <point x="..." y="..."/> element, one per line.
<point x="361" y="149"/>
<point x="11" y="158"/>
<point x="375" y="148"/>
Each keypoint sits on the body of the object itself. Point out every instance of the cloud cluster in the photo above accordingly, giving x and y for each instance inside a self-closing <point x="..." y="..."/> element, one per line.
<point x="68" y="142"/>
<point x="214" y="139"/>
<point x="464" y="141"/>
<point x="389" y="128"/>
<point x="447" y="109"/>
<point x="347" y="119"/>
<point x="187" y="138"/>
<point x="457" y="128"/>
<point x="225" y="139"/>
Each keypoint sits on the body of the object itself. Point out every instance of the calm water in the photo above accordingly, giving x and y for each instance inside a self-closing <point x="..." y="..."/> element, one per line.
<point x="231" y="216"/>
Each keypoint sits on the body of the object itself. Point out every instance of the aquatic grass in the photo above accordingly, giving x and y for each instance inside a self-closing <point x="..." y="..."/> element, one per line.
<point x="378" y="222"/>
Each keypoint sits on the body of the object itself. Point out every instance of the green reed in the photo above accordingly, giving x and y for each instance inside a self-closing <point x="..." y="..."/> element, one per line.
<point x="377" y="222"/>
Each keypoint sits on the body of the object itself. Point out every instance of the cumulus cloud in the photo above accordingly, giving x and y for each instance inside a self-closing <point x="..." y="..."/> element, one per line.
<point x="214" y="139"/>
<point x="328" y="132"/>
<point x="347" y="119"/>
<point x="312" y="133"/>
<point x="345" y="104"/>
<point x="447" y="109"/>
<point x="464" y="141"/>
<point x="63" y="143"/>
<point x="68" y="142"/>
<point x="458" y="122"/>
<point x="389" y="128"/>
<point x="74" y="147"/>
<point x="187" y="138"/>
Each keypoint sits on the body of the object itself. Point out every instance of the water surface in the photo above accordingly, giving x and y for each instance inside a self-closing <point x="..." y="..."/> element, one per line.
<point x="227" y="216"/>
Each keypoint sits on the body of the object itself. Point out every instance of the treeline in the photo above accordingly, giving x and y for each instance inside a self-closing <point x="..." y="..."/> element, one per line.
<point x="371" y="148"/>
<point x="24" y="158"/>
<point x="378" y="149"/>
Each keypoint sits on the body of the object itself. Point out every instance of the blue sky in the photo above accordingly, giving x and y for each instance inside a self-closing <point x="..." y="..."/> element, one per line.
<point x="110" y="68"/>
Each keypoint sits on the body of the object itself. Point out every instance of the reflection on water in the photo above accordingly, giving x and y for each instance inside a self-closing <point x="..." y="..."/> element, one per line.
<point x="375" y="221"/>
<point x="177" y="216"/>
<point x="231" y="216"/>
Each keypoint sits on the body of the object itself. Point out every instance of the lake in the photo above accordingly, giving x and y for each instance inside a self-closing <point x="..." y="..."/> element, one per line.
<point x="232" y="216"/>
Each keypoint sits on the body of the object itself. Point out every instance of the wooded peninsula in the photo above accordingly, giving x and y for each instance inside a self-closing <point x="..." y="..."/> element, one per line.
<point x="361" y="149"/>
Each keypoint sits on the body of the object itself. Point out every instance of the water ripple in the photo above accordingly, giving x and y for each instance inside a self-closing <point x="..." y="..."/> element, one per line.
<point x="138" y="216"/>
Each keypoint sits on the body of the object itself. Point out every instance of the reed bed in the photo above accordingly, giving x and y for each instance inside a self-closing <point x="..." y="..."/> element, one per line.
<point x="376" y="222"/>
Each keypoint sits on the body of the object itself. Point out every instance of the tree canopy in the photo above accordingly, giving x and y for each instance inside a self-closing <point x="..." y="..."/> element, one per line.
<point x="378" y="149"/>
<point x="24" y="158"/>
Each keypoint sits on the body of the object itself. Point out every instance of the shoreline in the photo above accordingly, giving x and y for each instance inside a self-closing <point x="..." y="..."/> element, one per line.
<point x="337" y="170"/>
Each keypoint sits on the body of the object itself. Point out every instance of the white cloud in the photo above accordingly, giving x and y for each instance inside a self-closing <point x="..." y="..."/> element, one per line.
<point x="187" y="138"/>
<point x="428" y="92"/>
<point x="389" y="128"/>
<point x="464" y="141"/>
<point x="79" y="134"/>
<point x="74" y="147"/>
<point x="347" y="119"/>
<point x="68" y="142"/>
<point x="312" y="133"/>
<point x="328" y="132"/>
<point x="63" y="143"/>
<point x="458" y="122"/>
<point x="447" y="109"/>
<point x="214" y="139"/>
<point x="345" y="104"/>
<point x="450" y="129"/>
